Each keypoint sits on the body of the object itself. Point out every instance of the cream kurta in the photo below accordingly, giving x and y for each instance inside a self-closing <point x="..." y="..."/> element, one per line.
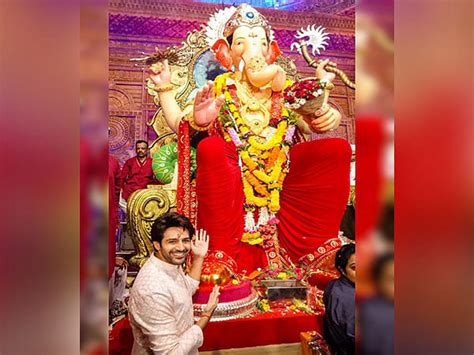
<point x="161" y="310"/>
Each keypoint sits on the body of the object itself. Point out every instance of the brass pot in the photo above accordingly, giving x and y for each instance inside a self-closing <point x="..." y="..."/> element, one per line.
<point x="216" y="274"/>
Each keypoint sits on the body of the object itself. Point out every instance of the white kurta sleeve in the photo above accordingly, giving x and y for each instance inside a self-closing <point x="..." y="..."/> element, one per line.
<point x="155" y="317"/>
<point x="191" y="284"/>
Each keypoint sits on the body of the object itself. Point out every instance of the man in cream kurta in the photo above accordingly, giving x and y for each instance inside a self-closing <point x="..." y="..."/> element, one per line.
<point x="160" y="307"/>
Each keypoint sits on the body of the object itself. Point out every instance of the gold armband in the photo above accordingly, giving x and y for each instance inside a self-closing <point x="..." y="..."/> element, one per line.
<point x="164" y="88"/>
<point x="190" y="118"/>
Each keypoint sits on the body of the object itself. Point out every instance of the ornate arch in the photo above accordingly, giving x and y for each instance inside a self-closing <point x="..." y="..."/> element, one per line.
<point x="119" y="99"/>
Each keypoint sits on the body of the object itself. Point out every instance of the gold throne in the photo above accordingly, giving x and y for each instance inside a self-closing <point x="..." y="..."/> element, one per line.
<point x="193" y="66"/>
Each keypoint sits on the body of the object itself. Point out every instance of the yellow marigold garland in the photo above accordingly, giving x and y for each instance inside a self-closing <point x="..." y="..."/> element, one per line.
<point x="264" y="163"/>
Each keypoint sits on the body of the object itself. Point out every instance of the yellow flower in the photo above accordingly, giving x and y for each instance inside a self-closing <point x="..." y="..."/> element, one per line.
<point x="262" y="176"/>
<point x="275" y="173"/>
<point x="254" y="150"/>
<point x="263" y="305"/>
<point x="252" y="238"/>
<point x="274" y="205"/>
<point x="282" y="276"/>
<point x="256" y="241"/>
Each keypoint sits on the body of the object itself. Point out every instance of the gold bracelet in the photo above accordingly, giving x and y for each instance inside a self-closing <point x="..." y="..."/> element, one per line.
<point x="164" y="88"/>
<point x="206" y="315"/>
<point x="190" y="118"/>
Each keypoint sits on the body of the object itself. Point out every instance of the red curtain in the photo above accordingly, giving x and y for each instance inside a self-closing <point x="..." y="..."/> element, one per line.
<point x="313" y="199"/>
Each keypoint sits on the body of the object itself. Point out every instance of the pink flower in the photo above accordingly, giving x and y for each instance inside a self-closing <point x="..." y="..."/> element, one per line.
<point x="273" y="220"/>
<point x="235" y="138"/>
<point x="289" y="133"/>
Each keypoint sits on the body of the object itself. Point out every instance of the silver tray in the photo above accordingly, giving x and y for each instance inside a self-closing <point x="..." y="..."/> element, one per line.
<point x="281" y="283"/>
<point x="230" y="310"/>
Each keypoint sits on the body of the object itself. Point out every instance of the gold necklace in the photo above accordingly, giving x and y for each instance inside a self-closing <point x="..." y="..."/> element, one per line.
<point x="253" y="111"/>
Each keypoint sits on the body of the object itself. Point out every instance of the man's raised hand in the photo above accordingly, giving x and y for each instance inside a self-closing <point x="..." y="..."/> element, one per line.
<point x="200" y="243"/>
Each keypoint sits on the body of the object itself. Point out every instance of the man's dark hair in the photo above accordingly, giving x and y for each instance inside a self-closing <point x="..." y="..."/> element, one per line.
<point x="379" y="266"/>
<point x="141" y="141"/>
<point x="342" y="257"/>
<point x="168" y="220"/>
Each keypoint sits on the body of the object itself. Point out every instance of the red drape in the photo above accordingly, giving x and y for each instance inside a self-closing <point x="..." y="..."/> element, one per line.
<point x="314" y="195"/>
<point x="313" y="199"/>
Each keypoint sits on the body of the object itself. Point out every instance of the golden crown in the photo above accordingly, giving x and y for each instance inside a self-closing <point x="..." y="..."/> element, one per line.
<point x="245" y="15"/>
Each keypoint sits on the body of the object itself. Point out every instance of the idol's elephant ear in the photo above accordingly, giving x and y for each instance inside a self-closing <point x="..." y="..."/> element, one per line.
<point x="222" y="51"/>
<point x="273" y="52"/>
<point x="165" y="159"/>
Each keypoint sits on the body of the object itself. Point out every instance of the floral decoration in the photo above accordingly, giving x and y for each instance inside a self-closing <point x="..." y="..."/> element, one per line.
<point x="264" y="163"/>
<point x="298" y="94"/>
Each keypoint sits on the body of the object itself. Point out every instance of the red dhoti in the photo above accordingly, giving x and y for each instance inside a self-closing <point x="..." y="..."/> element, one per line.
<point x="313" y="199"/>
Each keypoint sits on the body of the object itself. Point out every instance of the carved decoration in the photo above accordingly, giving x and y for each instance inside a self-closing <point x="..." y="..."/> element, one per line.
<point x="125" y="75"/>
<point x="145" y="206"/>
<point x="201" y="11"/>
<point x="119" y="99"/>
<point x="154" y="27"/>
<point x="121" y="136"/>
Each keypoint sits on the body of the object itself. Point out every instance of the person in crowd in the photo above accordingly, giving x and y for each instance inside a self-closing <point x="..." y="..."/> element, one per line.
<point x="339" y="301"/>
<point x="160" y="306"/>
<point x="376" y="318"/>
<point x="137" y="172"/>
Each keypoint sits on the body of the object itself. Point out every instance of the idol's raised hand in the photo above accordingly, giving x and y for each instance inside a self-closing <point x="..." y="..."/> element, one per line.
<point x="200" y="243"/>
<point x="206" y="106"/>
<point x="326" y="118"/>
<point x="160" y="73"/>
<point x="322" y="74"/>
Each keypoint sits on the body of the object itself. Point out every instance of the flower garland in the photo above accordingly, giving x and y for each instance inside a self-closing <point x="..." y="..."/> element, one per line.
<point x="265" y="164"/>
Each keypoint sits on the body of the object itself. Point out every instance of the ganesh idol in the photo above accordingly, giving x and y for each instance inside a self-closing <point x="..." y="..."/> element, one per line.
<point x="264" y="193"/>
